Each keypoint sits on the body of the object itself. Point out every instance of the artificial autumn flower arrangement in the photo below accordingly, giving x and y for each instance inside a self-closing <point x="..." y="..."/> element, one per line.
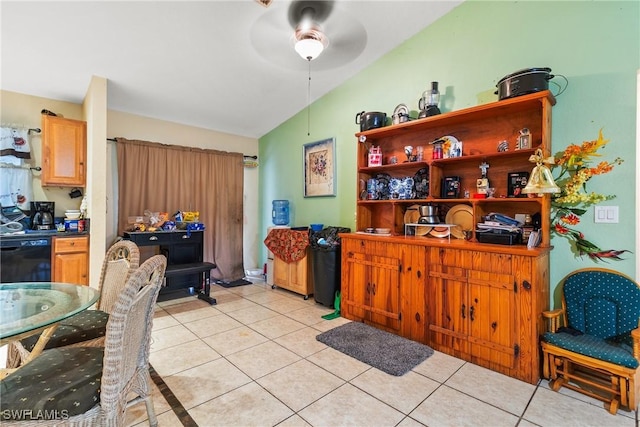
<point x="572" y="202"/>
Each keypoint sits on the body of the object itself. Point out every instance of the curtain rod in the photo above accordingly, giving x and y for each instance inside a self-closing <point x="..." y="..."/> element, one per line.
<point x="21" y="126"/>
<point x="245" y="156"/>
<point x="11" y="166"/>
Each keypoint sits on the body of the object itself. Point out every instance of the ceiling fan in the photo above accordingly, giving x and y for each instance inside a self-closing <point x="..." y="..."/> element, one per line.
<point x="280" y="34"/>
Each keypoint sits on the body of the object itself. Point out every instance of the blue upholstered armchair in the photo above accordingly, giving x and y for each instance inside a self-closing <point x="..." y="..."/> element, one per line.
<point x="593" y="342"/>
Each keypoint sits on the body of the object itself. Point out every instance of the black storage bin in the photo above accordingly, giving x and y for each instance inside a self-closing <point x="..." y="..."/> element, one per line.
<point x="325" y="263"/>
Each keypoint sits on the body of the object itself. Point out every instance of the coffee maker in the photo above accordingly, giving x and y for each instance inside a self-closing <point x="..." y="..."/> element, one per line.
<point x="42" y="216"/>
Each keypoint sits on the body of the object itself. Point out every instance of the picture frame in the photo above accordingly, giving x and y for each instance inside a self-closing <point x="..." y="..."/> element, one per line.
<point x="450" y="187"/>
<point x="516" y="181"/>
<point x="319" y="168"/>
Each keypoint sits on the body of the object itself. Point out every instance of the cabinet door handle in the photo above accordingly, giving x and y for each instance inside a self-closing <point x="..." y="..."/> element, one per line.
<point x="153" y="238"/>
<point x="471" y="311"/>
<point x="463" y="311"/>
<point x="494" y="325"/>
<point x="368" y="288"/>
<point x="186" y="236"/>
<point x="373" y="288"/>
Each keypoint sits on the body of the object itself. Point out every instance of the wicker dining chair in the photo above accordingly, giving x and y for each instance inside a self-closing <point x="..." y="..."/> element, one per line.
<point x="92" y="386"/>
<point x="86" y="328"/>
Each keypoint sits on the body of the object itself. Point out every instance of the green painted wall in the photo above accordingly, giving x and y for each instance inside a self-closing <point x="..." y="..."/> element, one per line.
<point x="595" y="45"/>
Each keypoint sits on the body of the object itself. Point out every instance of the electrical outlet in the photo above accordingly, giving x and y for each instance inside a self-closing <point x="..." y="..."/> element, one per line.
<point x="606" y="214"/>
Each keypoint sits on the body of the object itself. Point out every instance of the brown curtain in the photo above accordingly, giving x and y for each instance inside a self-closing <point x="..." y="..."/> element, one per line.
<point x="171" y="178"/>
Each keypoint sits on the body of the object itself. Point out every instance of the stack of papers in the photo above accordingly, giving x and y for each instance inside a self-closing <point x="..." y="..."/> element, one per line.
<point x="497" y="227"/>
<point x="499" y="223"/>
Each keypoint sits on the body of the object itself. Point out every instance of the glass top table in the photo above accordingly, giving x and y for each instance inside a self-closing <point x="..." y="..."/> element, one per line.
<point x="28" y="307"/>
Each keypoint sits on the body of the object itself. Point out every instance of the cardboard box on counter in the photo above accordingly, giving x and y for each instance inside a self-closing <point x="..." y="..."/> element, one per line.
<point x="76" y="225"/>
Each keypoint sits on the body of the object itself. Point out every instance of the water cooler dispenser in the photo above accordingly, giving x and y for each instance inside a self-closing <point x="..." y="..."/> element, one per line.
<point x="280" y="212"/>
<point x="280" y="217"/>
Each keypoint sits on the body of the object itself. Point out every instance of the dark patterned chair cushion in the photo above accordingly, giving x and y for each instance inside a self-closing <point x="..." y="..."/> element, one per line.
<point x="613" y="351"/>
<point x="602" y="304"/>
<point x="60" y="383"/>
<point x="84" y="326"/>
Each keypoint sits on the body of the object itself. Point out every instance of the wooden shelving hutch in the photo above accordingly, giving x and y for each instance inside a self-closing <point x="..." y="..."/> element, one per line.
<point x="480" y="129"/>
<point x="480" y="302"/>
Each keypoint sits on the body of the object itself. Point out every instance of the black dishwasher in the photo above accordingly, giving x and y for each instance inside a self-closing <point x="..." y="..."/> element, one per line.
<point x="25" y="258"/>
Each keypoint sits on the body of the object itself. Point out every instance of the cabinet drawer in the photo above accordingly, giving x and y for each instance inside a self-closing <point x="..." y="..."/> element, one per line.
<point x="70" y="244"/>
<point x="192" y="237"/>
<point x="148" y="239"/>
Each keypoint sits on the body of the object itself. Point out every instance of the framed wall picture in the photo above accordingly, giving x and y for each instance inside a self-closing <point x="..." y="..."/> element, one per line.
<point x="319" y="168"/>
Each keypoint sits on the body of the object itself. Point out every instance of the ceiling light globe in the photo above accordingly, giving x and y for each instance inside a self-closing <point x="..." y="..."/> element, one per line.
<point x="309" y="49"/>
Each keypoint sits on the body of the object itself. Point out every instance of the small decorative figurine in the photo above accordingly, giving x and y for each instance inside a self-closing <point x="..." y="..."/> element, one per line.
<point x="408" y="150"/>
<point x="483" y="182"/>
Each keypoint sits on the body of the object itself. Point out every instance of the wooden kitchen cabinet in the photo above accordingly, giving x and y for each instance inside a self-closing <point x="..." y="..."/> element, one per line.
<point x="480" y="302"/>
<point x="371" y="283"/>
<point x="413" y="287"/>
<point x="293" y="276"/>
<point x="64" y="148"/>
<point x="481" y="307"/>
<point x="70" y="263"/>
<point x="473" y="307"/>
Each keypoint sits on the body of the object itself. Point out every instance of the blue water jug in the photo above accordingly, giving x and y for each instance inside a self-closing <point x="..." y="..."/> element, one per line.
<point x="280" y="212"/>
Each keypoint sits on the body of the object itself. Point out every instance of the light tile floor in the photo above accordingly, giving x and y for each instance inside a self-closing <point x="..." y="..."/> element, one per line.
<point x="253" y="360"/>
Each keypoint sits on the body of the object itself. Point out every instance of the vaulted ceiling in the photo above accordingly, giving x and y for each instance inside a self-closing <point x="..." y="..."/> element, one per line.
<point x="229" y="66"/>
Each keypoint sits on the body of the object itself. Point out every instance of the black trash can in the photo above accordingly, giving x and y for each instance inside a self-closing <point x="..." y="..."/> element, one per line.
<point x="325" y="263"/>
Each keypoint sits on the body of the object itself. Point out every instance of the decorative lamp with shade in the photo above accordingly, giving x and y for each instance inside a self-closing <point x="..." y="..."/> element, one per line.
<point x="541" y="181"/>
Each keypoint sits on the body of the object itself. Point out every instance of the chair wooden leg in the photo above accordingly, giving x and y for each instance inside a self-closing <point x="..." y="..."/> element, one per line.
<point x="622" y="387"/>
<point x="545" y="364"/>
<point x="612" y="406"/>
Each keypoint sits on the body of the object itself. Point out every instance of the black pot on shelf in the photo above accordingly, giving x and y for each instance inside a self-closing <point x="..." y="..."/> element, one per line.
<point x="371" y="120"/>
<point x="522" y="82"/>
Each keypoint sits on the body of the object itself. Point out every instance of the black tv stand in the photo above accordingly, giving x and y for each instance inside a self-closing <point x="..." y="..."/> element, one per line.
<point x="185" y="268"/>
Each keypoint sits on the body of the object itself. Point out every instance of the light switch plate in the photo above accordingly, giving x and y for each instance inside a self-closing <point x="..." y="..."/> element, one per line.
<point x="606" y="214"/>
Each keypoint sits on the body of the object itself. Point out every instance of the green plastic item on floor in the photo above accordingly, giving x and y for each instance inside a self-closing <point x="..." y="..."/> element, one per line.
<point x="336" y="305"/>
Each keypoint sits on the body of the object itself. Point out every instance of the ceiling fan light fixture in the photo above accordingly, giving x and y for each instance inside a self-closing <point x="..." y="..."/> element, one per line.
<point x="309" y="48"/>
<point x="309" y="41"/>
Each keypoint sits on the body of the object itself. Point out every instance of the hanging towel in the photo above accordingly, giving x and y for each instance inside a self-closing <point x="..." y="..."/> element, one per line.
<point x="14" y="145"/>
<point x="16" y="188"/>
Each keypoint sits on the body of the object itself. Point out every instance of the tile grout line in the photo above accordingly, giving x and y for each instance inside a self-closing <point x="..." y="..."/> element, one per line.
<point x="172" y="400"/>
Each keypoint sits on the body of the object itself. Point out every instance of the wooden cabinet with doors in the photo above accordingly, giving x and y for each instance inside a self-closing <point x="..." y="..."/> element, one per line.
<point x="472" y="298"/>
<point x="481" y="307"/>
<point x="413" y="291"/>
<point x="70" y="263"/>
<point x="293" y="276"/>
<point x="371" y="283"/>
<point x="479" y="301"/>
<point x="64" y="151"/>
